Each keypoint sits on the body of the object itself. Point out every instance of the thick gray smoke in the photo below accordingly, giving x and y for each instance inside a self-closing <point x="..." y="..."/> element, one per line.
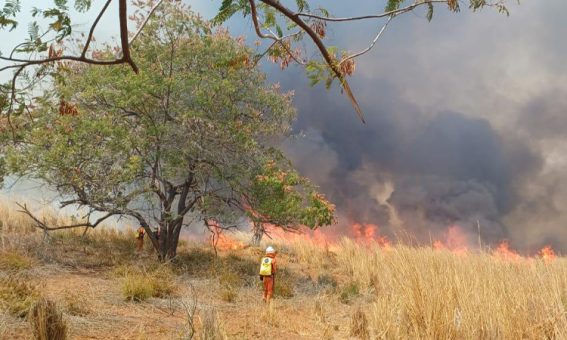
<point x="442" y="168"/>
<point x="466" y="126"/>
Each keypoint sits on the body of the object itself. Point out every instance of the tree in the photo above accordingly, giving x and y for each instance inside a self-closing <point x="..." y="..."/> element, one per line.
<point x="285" y="26"/>
<point x="190" y="137"/>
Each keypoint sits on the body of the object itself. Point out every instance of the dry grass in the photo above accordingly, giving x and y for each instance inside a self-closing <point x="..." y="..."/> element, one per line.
<point x="211" y="326"/>
<point x="351" y="289"/>
<point x="46" y="321"/>
<point x="17" y="295"/>
<point x="139" y="284"/>
<point x="359" y="325"/>
<point x="423" y="293"/>
<point x="11" y="261"/>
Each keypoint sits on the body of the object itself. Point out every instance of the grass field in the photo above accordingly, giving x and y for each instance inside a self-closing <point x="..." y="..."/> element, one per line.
<point x="344" y="290"/>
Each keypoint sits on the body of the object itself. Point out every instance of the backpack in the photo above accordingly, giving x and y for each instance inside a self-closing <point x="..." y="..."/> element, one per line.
<point x="266" y="267"/>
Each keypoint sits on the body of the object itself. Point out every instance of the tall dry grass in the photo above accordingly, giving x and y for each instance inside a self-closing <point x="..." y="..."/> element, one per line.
<point x="424" y="293"/>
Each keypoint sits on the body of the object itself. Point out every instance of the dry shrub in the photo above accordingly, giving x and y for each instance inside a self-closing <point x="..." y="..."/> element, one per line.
<point x="349" y="292"/>
<point x="14" y="261"/>
<point x="284" y="284"/>
<point x="46" y="321"/>
<point x="211" y="326"/>
<point x="76" y="304"/>
<point x="319" y="311"/>
<point x="230" y="282"/>
<point x="270" y="315"/>
<point x="17" y="295"/>
<point x="3" y="326"/>
<point x="359" y="325"/>
<point x="139" y="285"/>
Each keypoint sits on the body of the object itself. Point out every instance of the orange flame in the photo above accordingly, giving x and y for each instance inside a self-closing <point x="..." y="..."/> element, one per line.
<point x="367" y="233"/>
<point x="547" y="254"/>
<point x="220" y="241"/>
<point x="504" y="252"/>
<point x="455" y="240"/>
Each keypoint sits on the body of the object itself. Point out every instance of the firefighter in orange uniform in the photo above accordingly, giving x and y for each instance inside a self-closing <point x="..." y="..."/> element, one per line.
<point x="267" y="273"/>
<point x="140" y="233"/>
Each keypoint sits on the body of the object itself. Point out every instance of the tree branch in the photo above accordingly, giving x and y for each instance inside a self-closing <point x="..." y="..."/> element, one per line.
<point x="91" y="32"/>
<point x="123" y="18"/>
<point x="375" y="16"/>
<point x="330" y="60"/>
<point x="143" y="24"/>
<point x="366" y="50"/>
<point x="40" y="224"/>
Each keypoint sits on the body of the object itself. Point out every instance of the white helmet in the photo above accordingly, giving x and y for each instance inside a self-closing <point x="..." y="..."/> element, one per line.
<point x="270" y="250"/>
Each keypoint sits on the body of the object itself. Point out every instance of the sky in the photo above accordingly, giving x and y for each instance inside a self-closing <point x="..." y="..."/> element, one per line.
<point x="465" y="121"/>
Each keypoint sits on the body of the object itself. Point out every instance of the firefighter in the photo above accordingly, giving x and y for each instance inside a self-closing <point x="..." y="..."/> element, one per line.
<point x="268" y="272"/>
<point x="140" y="233"/>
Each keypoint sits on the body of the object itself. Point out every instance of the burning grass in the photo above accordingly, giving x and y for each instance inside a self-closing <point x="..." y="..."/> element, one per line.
<point x="361" y="287"/>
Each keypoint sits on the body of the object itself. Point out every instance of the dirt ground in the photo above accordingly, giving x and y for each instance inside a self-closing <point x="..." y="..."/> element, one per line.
<point x="94" y="306"/>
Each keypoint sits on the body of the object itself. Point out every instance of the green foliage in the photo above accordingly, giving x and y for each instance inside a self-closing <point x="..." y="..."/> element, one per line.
<point x="282" y="197"/>
<point x="197" y="118"/>
<point x="11" y="8"/>
<point x="393" y="5"/>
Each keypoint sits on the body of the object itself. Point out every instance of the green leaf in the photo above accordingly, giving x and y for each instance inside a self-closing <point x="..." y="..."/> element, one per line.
<point x="8" y="22"/>
<point x="429" y="14"/>
<point x="83" y="5"/>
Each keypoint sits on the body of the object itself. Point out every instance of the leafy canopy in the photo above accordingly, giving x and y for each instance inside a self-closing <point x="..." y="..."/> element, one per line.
<point x="192" y="134"/>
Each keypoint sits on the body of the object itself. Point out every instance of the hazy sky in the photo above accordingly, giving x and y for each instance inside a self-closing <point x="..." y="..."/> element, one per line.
<point x="466" y="119"/>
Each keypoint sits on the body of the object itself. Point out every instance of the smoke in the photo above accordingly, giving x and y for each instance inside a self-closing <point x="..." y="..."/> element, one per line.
<point x="411" y="171"/>
<point x="465" y="127"/>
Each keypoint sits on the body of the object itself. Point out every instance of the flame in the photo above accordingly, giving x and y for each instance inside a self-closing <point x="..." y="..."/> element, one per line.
<point x="455" y="240"/>
<point x="547" y="254"/>
<point x="367" y="233"/>
<point x="504" y="252"/>
<point x="220" y="241"/>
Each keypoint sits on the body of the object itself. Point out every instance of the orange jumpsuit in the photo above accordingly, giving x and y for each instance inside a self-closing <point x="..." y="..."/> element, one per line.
<point x="269" y="281"/>
<point x="140" y="239"/>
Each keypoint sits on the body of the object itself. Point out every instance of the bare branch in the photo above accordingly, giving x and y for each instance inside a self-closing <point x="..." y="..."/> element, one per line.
<point x="375" y="16"/>
<point x="143" y="24"/>
<point x="40" y="224"/>
<point x="91" y="32"/>
<point x="366" y="50"/>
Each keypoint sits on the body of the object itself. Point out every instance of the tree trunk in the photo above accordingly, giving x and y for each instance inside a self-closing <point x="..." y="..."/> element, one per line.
<point x="257" y="233"/>
<point x="168" y="240"/>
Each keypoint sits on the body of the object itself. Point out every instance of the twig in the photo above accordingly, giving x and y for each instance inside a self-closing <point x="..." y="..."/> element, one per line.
<point x="143" y="24"/>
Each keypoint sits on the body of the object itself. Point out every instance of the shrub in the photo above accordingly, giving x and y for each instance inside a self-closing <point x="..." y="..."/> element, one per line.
<point x="326" y="281"/>
<point x="14" y="261"/>
<point x="211" y="328"/>
<point x="349" y="292"/>
<point x="17" y="295"/>
<point x="230" y="282"/>
<point x="140" y="285"/>
<point x="284" y="284"/>
<point x="75" y="304"/>
<point x="46" y="321"/>
<point x="359" y="325"/>
<point x="136" y="288"/>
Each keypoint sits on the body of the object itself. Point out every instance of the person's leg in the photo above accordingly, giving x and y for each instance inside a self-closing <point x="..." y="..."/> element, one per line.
<point x="265" y="294"/>
<point x="270" y="288"/>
